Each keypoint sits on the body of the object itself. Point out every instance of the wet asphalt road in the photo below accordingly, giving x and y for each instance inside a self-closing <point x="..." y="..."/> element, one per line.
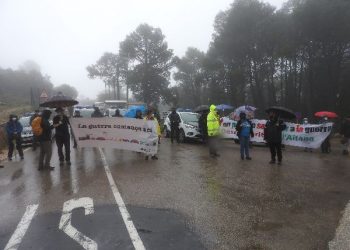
<point x="185" y="200"/>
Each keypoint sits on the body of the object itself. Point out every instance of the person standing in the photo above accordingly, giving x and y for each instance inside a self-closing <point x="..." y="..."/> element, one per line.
<point x="213" y="125"/>
<point x="14" y="129"/>
<point x="62" y="136"/>
<point x="244" y="130"/>
<point x="273" y="136"/>
<point x="96" y="113"/>
<point x="45" y="140"/>
<point x="345" y="132"/>
<point x="35" y="138"/>
<point x="117" y="113"/>
<point x="202" y="124"/>
<point x="138" y="114"/>
<point x="150" y="117"/>
<point x="305" y="122"/>
<point x="326" y="144"/>
<point x="76" y="115"/>
<point x="175" y="121"/>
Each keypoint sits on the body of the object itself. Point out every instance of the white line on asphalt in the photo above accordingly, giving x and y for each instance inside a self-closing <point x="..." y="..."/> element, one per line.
<point x="66" y="226"/>
<point x="135" y="238"/>
<point x="22" y="228"/>
<point x="341" y="240"/>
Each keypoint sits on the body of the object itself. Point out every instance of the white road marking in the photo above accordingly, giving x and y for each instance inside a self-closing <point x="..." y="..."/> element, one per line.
<point x="22" y="228"/>
<point x="66" y="226"/>
<point x="134" y="236"/>
<point x="341" y="240"/>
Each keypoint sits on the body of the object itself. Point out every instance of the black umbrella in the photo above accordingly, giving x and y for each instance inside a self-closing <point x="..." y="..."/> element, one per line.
<point x="201" y="108"/>
<point x="59" y="100"/>
<point x="282" y="112"/>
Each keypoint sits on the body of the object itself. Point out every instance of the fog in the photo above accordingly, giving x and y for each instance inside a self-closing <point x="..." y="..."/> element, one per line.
<point x="65" y="36"/>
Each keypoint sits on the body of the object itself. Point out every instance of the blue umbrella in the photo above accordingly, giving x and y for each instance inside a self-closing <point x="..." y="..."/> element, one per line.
<point x="223" y="107"/>
<point x="131" y="113"/>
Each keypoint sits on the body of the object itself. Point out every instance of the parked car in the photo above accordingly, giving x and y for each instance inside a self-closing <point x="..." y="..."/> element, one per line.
<point x="27" y="133"/>
<point x="188" y="126"/>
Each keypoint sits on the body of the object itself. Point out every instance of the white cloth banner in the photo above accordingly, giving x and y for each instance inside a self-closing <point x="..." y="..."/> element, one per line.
<point x="299" y="135"/>
<point x="120" y="133"/>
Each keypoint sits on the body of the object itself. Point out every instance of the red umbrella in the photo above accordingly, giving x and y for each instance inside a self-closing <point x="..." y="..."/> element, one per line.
<point x="326" y="114"/>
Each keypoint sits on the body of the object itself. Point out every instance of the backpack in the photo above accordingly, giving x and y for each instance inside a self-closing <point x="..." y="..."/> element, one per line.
<point x="36" y="126"/>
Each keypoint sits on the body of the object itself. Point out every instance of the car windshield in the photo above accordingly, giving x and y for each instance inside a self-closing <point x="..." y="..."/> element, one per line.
<point x="189" y="117"/>
<point x="24" y="121"/>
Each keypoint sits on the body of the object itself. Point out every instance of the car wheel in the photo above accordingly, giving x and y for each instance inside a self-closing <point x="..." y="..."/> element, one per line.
<point x="167" y="132"/>
<point x="182" y="137"/>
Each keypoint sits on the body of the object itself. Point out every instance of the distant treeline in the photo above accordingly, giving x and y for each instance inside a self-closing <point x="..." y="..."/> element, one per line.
<point x="20" y="87"/>
<point x="298" y="57"/>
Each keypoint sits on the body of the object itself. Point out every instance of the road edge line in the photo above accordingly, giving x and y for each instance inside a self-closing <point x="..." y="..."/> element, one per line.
<point x="342" y="232"/>
<point x="134" y="236"/>
<point x="22" y="228"/>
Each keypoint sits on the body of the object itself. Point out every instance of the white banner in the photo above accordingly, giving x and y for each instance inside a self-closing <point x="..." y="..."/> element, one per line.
<point x="120" y="133"/>
<point x="299" y="135"/>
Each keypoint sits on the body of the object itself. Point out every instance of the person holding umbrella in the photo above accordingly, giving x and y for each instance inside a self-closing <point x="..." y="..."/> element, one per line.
<point x="273" y="136"/>
<point x="62" y="136"/>
<point x="244" y="130"/>
<point x="45" y="142"/>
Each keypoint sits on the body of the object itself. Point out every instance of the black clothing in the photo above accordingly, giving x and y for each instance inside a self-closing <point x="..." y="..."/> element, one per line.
<point x="63" y="129"/>
<point x="239" y="127"/>
<point x="174" y="133"/>
<point x="96" y="113"/>
<point x="62" y="136"/>
<point x="213" y="145"/>
<point x="47" y="130"/>
<point x="60" y="141"/>
<point x="203" y="127"/>
<point x="18" y="139"/>
<point x="174" y="119"/>
<point x="174" y="126"/>
<point x="273" y="131"/>
<point x="275" y="148"/>
<point x="345" y="129"/>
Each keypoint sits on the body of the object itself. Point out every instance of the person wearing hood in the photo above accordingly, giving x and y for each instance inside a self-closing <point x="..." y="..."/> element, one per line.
<point x="175" y="121"/>
<point x="96" y="113"/>
<point x="273" y="136"/>
<point x="62" y="136"/>
<point x="244" y="130"/>
<point x="213" y="125"/>
<point x="14" y="129"/>
<point x="45" y="140"/>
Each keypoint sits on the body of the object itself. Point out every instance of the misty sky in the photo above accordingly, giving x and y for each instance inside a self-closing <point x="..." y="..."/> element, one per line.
<point x="65" y="36"/>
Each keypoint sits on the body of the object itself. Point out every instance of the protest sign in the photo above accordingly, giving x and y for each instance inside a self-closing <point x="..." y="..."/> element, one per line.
<point x="299" y="135"/>
<point x="120" y="133"/>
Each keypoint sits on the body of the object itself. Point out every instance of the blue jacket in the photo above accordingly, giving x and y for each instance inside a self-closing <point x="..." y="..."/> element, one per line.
<point x="12" y="127"/>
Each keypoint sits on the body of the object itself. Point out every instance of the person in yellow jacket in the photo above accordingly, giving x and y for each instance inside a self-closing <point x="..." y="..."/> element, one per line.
<point x="213" y="124"/>
<point x="150" y="117"/>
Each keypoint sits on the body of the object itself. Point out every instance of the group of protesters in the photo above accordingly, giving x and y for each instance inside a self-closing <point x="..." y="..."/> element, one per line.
<point x="209" y="125"/>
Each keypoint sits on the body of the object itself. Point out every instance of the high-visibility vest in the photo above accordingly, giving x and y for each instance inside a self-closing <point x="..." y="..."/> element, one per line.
<point x="213" y="124"/>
